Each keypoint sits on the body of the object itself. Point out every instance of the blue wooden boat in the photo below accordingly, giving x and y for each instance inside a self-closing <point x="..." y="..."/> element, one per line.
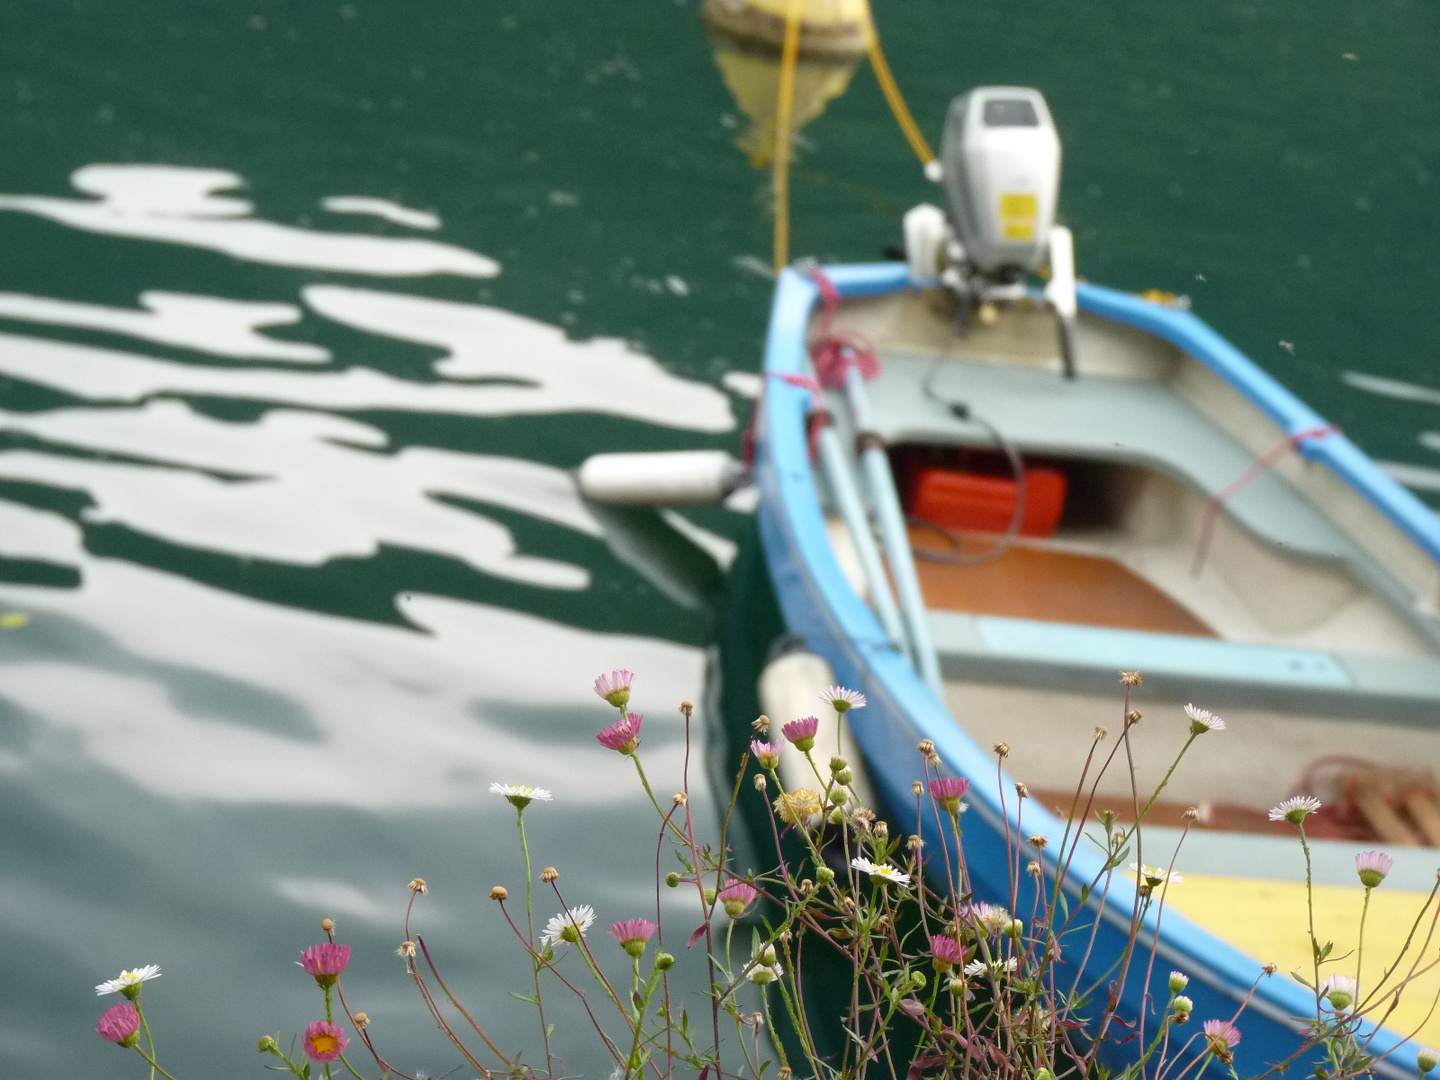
<point x="1311" y="624"/>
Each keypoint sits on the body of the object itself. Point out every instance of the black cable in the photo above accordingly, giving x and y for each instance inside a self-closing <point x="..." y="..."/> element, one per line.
<point x="957" y="556"/>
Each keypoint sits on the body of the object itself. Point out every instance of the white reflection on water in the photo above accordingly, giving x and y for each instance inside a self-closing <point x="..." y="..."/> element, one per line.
<point x="190" y="692"/>
<point x="210" y="324"/>
<point x="296" y="487"/>
<point x="177" y="205"/>
<point x="381" y="208"/>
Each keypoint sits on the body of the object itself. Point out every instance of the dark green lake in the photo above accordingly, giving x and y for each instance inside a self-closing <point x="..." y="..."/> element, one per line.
<point x="283" y="480"/>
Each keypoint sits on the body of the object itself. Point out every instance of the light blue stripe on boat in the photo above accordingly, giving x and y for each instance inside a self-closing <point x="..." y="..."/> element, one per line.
<point x="1168" y="654"/>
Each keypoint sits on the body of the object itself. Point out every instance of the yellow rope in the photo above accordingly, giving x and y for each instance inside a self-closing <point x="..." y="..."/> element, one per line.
<point x="897" y="102"/>
<point x="784" y="115"/>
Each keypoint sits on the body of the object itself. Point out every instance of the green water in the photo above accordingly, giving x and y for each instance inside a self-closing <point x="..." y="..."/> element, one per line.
<point x="279" y="642"/>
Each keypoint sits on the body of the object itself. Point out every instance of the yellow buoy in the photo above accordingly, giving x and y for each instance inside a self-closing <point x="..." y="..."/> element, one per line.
<point x="749" y="38"/>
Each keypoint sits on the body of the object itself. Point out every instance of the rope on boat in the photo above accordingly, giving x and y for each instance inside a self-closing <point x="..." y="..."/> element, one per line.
<point x="1261" y="466"/>
<point x="784" y="117"/>
<point x="891" y="90"/>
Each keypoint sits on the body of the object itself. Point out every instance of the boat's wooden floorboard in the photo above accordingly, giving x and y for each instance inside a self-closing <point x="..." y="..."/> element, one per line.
<point x="1028" y="582"/>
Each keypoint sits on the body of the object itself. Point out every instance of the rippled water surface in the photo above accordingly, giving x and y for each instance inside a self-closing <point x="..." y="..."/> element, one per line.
<point x="308" y="310"/>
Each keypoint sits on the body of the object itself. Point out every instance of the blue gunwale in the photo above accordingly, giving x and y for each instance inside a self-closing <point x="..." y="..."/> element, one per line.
<point x="820" y="604"/>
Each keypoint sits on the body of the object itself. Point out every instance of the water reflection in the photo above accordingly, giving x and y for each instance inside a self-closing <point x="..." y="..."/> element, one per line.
<point x="192" y="776"/>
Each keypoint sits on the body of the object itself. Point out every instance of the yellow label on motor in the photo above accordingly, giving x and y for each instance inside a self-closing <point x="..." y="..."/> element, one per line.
<point x="1019" y="230"/>
<point x="1017" y="205"/>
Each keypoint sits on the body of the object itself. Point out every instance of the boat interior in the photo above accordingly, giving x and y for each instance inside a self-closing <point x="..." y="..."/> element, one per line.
<point x="1145" y="515"/>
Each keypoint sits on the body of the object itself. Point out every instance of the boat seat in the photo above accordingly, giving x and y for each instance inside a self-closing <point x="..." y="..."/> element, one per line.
<point x="1130" y="421"/>
<point x="1028" y="582"/>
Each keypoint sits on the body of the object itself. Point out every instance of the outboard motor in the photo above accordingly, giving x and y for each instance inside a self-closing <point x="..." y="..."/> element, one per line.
<point x="1000" y="168"/>
<point x="1000" y="161"/>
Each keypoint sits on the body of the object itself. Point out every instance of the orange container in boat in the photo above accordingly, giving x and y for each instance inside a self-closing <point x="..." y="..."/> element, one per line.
<point x="980" y="502"/>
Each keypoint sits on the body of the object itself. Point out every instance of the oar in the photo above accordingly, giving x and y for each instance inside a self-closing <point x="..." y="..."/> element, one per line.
<point x="886" y="504"/>
<point x="1061" y="292"/>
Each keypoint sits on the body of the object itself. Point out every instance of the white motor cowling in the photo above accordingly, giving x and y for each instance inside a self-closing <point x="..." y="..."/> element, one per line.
<point x="1000" y="159"/>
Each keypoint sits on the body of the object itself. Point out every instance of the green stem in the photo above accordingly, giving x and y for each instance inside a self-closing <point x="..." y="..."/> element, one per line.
<point x="530" y="921"/>
<point x="645" y="783"/>
<point x="1360" y="945"/>
<point x="350" y="1068"/>
<point x="154" y="1068"/>
<point x="1310" y="910"/>
<point x="149" y="1039"/>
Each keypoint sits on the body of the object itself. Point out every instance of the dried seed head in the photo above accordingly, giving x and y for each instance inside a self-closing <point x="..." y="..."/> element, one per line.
<point x="1002" y="749"/>
<point x="1270" y="969"/>
<point x="760" y="725"/>
<point x="1100" y="732"/>
<point x="327" y="926"/>
<point x="926" y="746"/>
<point x="362" y="1020"/>
<point x="417" y="885"/>
<point x="933" y="761"/>
<point x="847" y="903"/>
<point x="680" y="799"/>
<point x="1040" y="843"/>
<point x="807" y="887"/>
<point x="1033" y="868"/>
<point x="917" y="788"/>
<point x="549" y="874"/>
<point x="407" y="949"/>
<point x="1191" y="813"/>
<point x="882" y="830"/>
<point x="784" y="1074"/>
<point x="863" y="818"/>
<point x="1131" y="678"/>
<point x="499" y="892"/>
<point x="1022" y="789"/>
<point x="1133" y="716"/>
<point x="759" y="781"/>
<point x="686" y="709"/>
<point x="914" y="843"/>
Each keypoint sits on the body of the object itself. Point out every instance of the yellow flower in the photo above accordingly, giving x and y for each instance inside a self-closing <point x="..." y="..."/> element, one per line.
<point x="798" y="807"/>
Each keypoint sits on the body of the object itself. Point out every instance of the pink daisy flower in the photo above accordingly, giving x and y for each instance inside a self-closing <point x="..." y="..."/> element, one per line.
<point x="120" y="1024"/>
<point x="802" y="732"/>
<point x="945" y="953"/>
<point x="623" y="735"/>
<point x="633" y="935"/>
<point x="615" y="687"/>
<point x="736" y="897"/>
<point x="948" y="791"/>
<point x="1222" y="1035"/>
<point x="766" y="753"/>
<point x="324" y="1041"/>
<point x="325" y="961"/>
<point x="1373" y="866"/>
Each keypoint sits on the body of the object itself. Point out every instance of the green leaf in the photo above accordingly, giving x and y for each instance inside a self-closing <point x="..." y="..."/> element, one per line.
<point x="522" y="997"/>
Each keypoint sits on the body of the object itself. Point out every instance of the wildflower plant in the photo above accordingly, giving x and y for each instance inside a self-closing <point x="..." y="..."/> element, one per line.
<point x="940" y="982"/>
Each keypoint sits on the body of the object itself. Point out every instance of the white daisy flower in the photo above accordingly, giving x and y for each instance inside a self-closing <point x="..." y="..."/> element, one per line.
<point x="1295" y="809"/>
<point x="841" y="699"/>
<point x="1203" y="720"/>
<point x="996" y="967"/>
<point x="568" y="926"/>
<point x="128" y="981"/>
<point x="1156" y="876"/>
<point x="1340" y="990"/>
<point x="768" y="969"/>
<point x="520" y="795"/>
<point x="880" y="870"/>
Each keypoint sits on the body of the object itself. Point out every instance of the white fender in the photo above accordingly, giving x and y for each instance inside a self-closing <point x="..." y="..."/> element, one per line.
<point x="674" y="478"/>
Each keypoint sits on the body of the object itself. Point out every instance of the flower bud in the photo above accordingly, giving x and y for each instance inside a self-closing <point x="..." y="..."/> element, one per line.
<point x="269" y="1045"/>
<point x="1427" y="1059"/>
<point x="824" y="875"/>
<point x="1043" y="1073"/>
<point x="768" y="957"/>
<point x="845" y="776"/>
<point x="838" y="765"/>
<point x="955" y="986"/>
<point x="1014" y="928"/>
<point x="837" y="796"/>
<point x="837" y="816"/>
<point x="664" y="961"/>
<point x="1182" y="1005"/>
<point x="917" y="980"/>
<point x="1178" y="982"/>
<point x="672" y="879"/>
<point x="709" y="896"/>
<point x="759" y="781"/>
